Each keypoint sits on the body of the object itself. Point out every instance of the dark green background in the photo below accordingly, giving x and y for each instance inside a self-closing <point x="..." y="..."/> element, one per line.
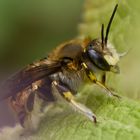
<point x="30" y="29"/>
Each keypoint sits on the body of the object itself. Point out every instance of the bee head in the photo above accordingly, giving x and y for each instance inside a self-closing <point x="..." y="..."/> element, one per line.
<point x="102" y="53"/>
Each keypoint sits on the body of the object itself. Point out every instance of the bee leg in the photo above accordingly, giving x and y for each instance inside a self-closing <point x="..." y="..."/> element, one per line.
<point x="108" y="91"/>
<point x="103" y="78"/>
<point x="68" y="96"/>
<point x="31" y="115"/>
<point x="24" y="115"/>
<point x="30" y="102"/>
<point x="21" y="118"/>
<point x="100" y="84"/>
<point x="19" y="110"/>
<point x="103" y="81"/>
<point x="103" y="84"/>
<point x="23" y="108"/>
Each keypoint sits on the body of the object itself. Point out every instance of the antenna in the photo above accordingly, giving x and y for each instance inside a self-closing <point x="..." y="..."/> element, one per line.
<point x="109" y="24"/>
<point x="102" y="36"/>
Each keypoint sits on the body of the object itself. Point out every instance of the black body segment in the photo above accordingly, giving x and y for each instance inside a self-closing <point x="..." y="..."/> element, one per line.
<point x="45" y="90"/>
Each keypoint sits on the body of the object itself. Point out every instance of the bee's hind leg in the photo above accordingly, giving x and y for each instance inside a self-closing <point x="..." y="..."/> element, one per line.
<point x="19" y="110"/>
<point x="68" y="96"/>
<point x="26" y="106"/>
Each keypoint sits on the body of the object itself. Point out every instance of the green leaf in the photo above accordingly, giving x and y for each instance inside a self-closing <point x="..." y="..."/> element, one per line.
<point x="117" y="120"/>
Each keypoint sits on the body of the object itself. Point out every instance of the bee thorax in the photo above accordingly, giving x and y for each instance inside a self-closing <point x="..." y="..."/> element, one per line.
<point x="72" y="79"/>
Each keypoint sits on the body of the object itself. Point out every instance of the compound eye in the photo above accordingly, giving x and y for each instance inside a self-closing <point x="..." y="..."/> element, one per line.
<point x="98" y="60"/>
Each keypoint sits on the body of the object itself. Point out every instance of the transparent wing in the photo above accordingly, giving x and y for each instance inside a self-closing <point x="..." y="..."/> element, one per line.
<point x="27" y="76"/>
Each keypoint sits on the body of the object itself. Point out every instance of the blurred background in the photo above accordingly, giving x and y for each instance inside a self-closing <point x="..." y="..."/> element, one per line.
<point x="29" y="30"/>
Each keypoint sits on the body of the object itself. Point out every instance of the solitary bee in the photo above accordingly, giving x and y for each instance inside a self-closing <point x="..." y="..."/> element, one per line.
<point x="65" y="69"/>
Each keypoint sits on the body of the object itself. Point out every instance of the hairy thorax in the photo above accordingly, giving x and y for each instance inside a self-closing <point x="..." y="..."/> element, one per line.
<point x="72" y="79"/>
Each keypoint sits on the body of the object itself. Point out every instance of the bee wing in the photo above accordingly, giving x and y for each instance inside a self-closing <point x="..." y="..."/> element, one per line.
<point x="26" y="77"/>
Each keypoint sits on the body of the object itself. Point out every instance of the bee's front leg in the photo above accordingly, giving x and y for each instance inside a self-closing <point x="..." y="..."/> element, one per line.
<point x="103" y="83"/>
<point x="68" y="96"/>
<point x="103" y="78"/>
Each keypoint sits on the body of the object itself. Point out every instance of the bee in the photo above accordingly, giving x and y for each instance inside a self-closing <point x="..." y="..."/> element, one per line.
<point x="69" y="66"/>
